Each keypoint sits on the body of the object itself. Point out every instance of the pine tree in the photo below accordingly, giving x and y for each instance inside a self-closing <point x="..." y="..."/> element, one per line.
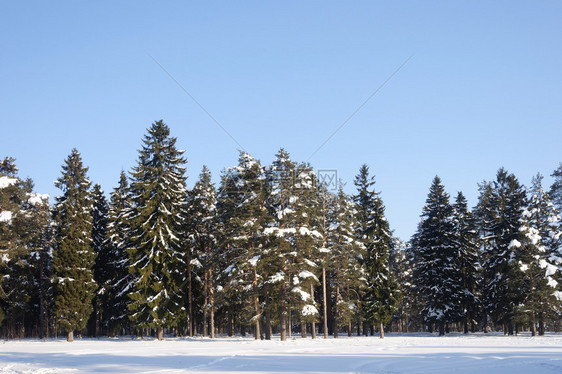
<point x="202" y="255"/>
<point x="345" y="253"/>
<point x="280" y="235"/>
<point x="74" y="258"/>
<point x="400" y="263"/>
<point x="466" y="238"/>
<point x="307" y="243"/>
<point x="539" y="259"/>
<point x="24" y="218"/>
<point x="119" y="281"/>
<point x="556" y="188"/>
<point x="102" y="267"/>
<point x="157" y="215"/>
<point x="500" y="207"/>
<point x="381" y="296"/>
<point x="436" y="269"/>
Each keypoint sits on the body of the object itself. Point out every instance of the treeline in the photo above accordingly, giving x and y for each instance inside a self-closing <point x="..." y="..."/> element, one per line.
<point x="274" y="249"/>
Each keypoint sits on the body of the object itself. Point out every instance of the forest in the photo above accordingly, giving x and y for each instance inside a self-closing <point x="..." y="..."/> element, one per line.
<point x="272" y="250"/>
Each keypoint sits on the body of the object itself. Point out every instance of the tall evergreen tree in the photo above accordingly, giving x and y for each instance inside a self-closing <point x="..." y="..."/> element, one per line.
<point x="202" y="255"/>
<point x="102" y="267"/>
<point x="539" y="261"/>
<point x="466" y="238"/>
<point x="436" y="269"/>
<point x="345" y="254"/>
<point x="556" y="188"/>
<point x="500" y="208"/>
<point x="24" y="218"/>
<point x="73" y="261"/>
<point x="381" y="296"/>
<point x="119" y="281"/>
<point x="157" y="215"/>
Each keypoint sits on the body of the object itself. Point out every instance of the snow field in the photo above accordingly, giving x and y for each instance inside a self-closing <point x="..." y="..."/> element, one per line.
<point x="397" y="353"/>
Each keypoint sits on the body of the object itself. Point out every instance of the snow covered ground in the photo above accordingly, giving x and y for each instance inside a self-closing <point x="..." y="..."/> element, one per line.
<point x="397" y="353"/>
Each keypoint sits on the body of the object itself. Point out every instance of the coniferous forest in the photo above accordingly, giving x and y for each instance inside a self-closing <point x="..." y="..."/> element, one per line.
<point x="270" y="250"/>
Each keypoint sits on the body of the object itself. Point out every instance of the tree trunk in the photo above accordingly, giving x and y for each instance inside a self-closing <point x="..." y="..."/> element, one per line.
<point x="441" y="328"/>
<point x="189" y="295"/>
<point x="212" y="304"/>
<point x="283" y="324"/>
<point x="303" y="329"/>
<point x="533" y="325"/>
<point x="381" y="331"/>
<point x="257" y="332"/>
<point x="336" y="313"/>
<point x="70" y="336"/>
<point x="160" y="333"/>
<point x="290" y="327"/>
<point x="324" y="302"/>
<point x="541" y="324"/>
<point x="312" y="324"/>
<point x="267" y="324"/>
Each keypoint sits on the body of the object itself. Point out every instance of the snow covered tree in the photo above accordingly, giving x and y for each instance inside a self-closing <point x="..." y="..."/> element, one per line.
<point x="290" y="236"/>
<point x="436" y="269"/>
<point x="102" y="267"/>
<point x="156" y="251"/>
<point x="539" y="260"/>
<point x="467" y="246"/>
<point x="24" y="218"/>
<point x="381" y="294"/>
<point x="400" y="263"/>
<point x="344" y="257"/>
<point x="556" y="188"/>
<point x="499" y="212"/>
<point x="73" y="262"/>
<point x="118" y="281"/>
<point x="202" y="254"/>
<point x="307" y="243"/>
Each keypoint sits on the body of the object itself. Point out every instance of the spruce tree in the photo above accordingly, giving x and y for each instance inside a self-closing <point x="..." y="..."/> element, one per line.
<point x="539" y="261"/>
<point x="156" y="252"/>
<point x="467" y="246"/>
<point x="102" y="267"/>
<point x="24" y="219"/>
<point x="499" y="212"/>
<point x="119" y="281"/>
<point x="345" y="253"/>
<point x="280" y="238"/>
<point x="73" y="262"/>
<point x="436" y="269"/>
<point x="556" y="188"/>
<point x="202" y="254"/>
<point x="381" y="294"/>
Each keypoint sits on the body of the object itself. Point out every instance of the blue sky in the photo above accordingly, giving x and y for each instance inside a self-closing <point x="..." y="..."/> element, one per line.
<point x="482" y="90"/>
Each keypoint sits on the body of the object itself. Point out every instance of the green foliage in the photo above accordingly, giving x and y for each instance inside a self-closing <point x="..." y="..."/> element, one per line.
<point x="381" y="294"/>
<point x="156" y="248"/>
<point x="73" y="261"/>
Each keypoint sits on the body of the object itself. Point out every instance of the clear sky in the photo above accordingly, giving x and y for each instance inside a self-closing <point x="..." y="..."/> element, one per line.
<point x="482" y="90"/>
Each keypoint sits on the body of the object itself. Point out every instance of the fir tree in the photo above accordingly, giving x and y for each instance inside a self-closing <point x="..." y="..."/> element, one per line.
<point x="156" y="254"/>
<point x="24" y="218"/>
<point x="556" y="188"/>
<point x="436" y="269"/>
<point x="466" y="238"/>
<point x="539" y="259"/>
<point x="280" y="238"/>
<point x="381" y="296"/>
<point x="102" y="267"/>
<point x="74" y="258"/>
<point x="202" y="255"/>
<point x="345" y="253"/>
<point x="500" y="207"/>
<point x="119" y="281"/>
